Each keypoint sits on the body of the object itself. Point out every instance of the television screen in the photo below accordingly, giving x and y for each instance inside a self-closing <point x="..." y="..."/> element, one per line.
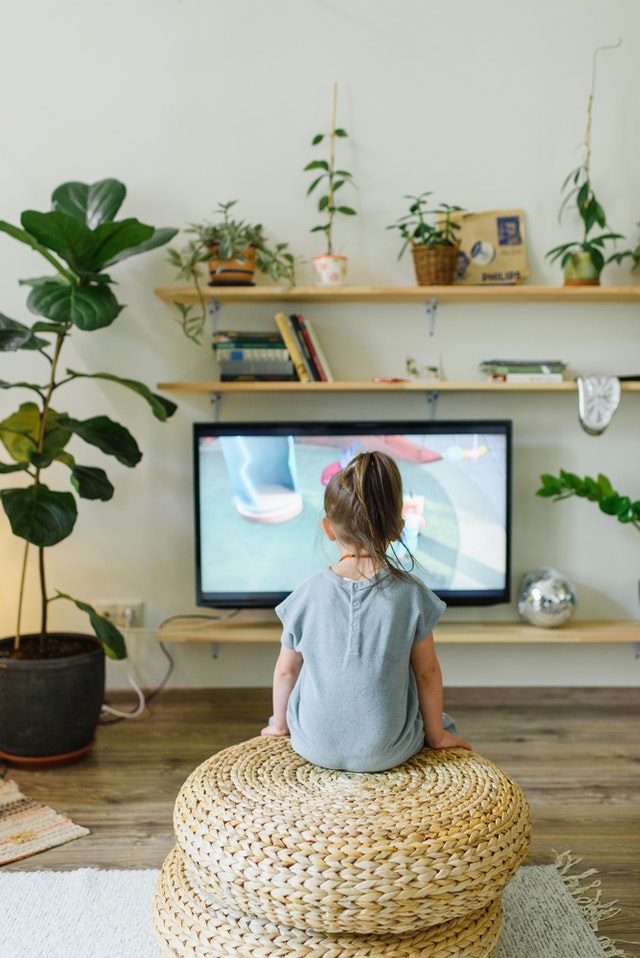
<point x="259" y="491"/>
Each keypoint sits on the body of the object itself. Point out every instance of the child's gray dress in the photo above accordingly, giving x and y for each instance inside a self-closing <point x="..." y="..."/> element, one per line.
<point x="355" y="703"/>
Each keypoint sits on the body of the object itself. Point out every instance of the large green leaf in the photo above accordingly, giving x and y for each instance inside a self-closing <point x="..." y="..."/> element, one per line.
<point x="20" y="432"/>
<point x="162" y="235"/>
<point x="14" y="335"/>
<point x="162" y="408"/>
<point x="85" y="250"/>
<point x="91" y="483"/>
<point x="40" y="515"/>
<point x="114" y="241"/>
<point x="24" y="237"/>
<point x="91" y="203"/>
<point x="112" y="639"/>
<point x="87" y="307"/>
<point x="110" y="437"/>
<point x="65" y="235"/>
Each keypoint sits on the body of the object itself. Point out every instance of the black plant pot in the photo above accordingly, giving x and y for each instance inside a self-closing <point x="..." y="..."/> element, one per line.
<point x="49" y="708"/>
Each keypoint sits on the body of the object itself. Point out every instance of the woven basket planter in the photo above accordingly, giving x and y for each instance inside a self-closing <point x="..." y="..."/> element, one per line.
<point x="265" y="833"/>
<point x="435" y="265"/>
<point x="188" y="923"/>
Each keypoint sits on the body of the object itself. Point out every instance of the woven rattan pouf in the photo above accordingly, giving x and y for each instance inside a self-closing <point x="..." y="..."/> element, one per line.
<point x="317" y="862"/>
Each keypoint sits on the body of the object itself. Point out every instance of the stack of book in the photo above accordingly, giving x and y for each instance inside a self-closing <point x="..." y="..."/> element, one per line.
<point x="301" y="340"/>
<point x="524" y="370"/>
<point x="252" y="356"/>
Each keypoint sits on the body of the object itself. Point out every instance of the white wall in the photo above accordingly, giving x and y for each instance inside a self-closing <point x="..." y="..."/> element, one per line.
<point x="191" y="102"/>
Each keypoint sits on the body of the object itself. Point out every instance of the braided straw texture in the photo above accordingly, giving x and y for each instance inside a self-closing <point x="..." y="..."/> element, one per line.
<point x="267" y="833"/>
<point x="188" y="924"/>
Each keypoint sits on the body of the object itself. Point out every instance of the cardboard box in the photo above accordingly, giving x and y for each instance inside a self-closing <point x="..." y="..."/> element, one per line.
<point x="492" y="249"/>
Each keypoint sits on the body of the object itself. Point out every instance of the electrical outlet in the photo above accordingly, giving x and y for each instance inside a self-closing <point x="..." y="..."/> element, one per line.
<point x="123" y="614"/>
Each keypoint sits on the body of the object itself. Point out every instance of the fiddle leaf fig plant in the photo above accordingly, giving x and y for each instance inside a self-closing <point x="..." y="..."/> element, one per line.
<point x="81" y="239"/>
<point x="599" y="490"/>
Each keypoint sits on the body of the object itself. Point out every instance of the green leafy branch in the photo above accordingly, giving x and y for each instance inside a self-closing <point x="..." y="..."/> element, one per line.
<point x="611" y="503"/>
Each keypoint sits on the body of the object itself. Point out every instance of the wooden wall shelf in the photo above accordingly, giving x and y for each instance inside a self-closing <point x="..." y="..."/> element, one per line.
<point x="404" y="294"/>
<point x="421" y="386"/>
<point x="252" y="628"/>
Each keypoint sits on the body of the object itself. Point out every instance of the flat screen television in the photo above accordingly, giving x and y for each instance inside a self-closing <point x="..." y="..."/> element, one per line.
<point x="259" y="491"/>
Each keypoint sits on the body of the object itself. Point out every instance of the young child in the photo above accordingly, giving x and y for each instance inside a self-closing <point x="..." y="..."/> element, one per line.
<point x="357" y="683"/>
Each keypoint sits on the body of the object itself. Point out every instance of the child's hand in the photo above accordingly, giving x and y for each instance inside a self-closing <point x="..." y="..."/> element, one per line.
<point x="448" y="740"/>
<point x="276" y="730"/>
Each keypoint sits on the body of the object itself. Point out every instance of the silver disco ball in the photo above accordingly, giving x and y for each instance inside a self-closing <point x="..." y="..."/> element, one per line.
<point x="547" y="598"/>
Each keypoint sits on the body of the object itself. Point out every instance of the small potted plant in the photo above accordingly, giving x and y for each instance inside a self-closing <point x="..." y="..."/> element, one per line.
<point x="583" y="260"/>
<point x="234" y="250"/>
<point x="330" y="268"/>
<point x="434" y="242"/>
<point x="52" y="683"/>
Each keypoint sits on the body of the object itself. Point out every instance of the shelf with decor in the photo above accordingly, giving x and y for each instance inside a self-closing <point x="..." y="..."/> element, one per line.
<point x="260" y="627"/>
<point x="404" y="294"/>
<point x="231" y="295"/>
<point x="420" y="386"/>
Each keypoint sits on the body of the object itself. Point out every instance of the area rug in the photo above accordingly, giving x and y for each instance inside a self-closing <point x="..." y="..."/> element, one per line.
<point x="108" y="913"/>
<point x="27" y="827"/>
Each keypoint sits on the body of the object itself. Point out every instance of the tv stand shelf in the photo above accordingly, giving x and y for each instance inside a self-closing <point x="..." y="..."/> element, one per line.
<point x="262" y="627"/>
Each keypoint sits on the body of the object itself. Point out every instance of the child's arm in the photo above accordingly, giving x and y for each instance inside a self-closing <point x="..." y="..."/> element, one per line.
<point x="426" y="667"/>
<point x="285" y="675"/>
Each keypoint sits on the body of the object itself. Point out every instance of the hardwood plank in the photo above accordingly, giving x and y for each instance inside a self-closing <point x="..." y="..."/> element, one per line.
<point x="575" y="752"/>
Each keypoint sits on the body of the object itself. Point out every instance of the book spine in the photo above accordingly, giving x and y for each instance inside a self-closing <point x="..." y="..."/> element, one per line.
<point x="527" y="377"/>
<point x="257" y="366"/>
<point x="251" y="354"/>
<point x="304" y="327"/>
<point x="322" y="359"/>
<point x="236" y="337"/>
<point x="258" y="378"/>
<point x="292" y="345"/>
<point x="297" y="327"/>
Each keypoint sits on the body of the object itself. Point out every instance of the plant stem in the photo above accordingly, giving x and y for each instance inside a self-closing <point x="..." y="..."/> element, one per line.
<point x="23" y="573"/>
<point x="332" y="141"/>
<point x="587" y="138"/>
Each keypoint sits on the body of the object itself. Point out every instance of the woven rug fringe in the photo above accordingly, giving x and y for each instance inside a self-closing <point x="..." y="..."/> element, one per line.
<point x="588" y="897"/>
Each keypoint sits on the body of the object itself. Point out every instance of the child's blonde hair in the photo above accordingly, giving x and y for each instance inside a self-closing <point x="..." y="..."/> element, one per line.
<point x="363" y="503"/>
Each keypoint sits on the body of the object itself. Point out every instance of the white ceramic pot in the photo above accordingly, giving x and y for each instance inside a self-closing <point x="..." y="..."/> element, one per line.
<point x="330" y="270"/>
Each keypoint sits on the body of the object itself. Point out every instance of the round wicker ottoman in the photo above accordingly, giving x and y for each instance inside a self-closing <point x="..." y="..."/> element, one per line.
<point x="270" y="845"/>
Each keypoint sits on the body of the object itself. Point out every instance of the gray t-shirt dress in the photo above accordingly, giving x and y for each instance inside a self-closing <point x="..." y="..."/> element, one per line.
<point x="355" y="704"/>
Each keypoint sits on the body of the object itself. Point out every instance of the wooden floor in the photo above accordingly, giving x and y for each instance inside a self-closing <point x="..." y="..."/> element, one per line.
<point x="576" y="753"/>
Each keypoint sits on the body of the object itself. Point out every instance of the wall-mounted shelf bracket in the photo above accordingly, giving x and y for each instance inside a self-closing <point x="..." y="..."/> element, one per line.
<point x="431" y="307"/>
<point x="216" y="405"/>
<point x="213" y="312"/>
<point x="215" y="650"/>
<point x="432" y="402"/>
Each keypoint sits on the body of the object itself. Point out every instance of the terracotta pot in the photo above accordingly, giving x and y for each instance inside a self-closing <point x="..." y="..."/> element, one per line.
<point x="330" y="270"/>
<point x="232" y="272"/>
<point x="49" y="708"/>
<point x="580" y="271"/>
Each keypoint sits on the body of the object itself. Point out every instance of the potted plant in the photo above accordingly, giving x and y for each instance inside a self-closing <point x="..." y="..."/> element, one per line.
<point x="600" y="490"/>
<point x="330" y="268"/>
<point x="434" y="242"/>
<point x="234" y="250"/>
<point x="51" y="683"/>
<point x="583" y="260"/>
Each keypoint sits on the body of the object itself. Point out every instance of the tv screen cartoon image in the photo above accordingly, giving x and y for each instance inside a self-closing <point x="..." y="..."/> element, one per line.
<point x="259" y="500"/>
